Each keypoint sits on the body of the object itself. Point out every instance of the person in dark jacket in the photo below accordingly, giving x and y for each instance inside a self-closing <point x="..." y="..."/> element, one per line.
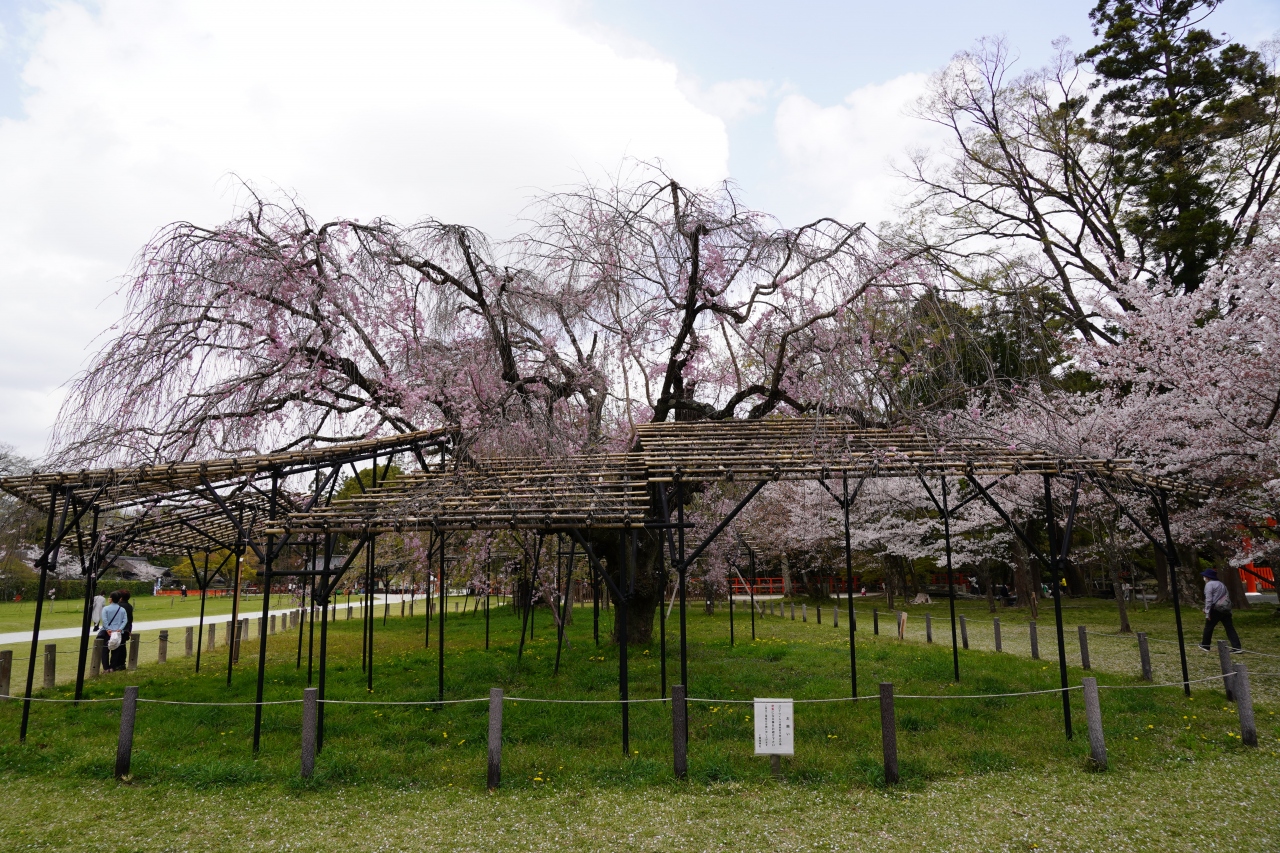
<point x="128" y="608"/>
<point x="1217" y="608"/>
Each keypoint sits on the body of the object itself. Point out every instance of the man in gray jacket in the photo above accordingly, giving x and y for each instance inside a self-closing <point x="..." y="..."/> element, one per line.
<point x="1217" y="608"/>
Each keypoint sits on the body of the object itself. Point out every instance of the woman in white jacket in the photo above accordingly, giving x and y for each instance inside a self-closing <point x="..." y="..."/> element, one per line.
<point x="1217" y="608"/>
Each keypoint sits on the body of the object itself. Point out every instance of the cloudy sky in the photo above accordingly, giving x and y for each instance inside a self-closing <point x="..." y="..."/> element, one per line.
<point x="119" y="116"/>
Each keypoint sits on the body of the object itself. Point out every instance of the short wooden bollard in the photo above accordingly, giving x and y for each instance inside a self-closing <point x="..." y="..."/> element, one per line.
<point x="95" y="661"/>
<point x="1084" y="647"/>
<point x="6" y="671"/>
<point x="260" y="627"/>
<point x="835" y="616"/>
<point x="1144" y="654"/>
<point x="819" y="614"/>
<point x="964" y="632"/>
<point x="189" y="642"/>
<point x="928" y="628"/>
<point x="1093" y="716"/>
<point x="804" y="613"/>
<point x="1244" y="705"/>
<point x="888" y="733"/>
<point x="50" y="665"/>
<point x="124" y="746"/>
<point x="1035" y="641"/>
<point x="271" y="627"/>
<point x="134" y="642"/>
<point x="793" y="611"/>
<point x="310" y="714"/>
<point x="162" y="649"/>
<point x="495" y="738"/>
<point x="996" y="625"/>
<point x="875" y="621"/>
<point x="1228" y="667"/>
<point x="679" y="731"/>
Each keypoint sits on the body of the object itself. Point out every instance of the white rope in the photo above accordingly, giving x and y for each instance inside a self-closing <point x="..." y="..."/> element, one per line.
<point x="988" y="695"/>
<point x="220" y="704"/>
<point x="73" y="701"/>
<point x="1166" y="684"/>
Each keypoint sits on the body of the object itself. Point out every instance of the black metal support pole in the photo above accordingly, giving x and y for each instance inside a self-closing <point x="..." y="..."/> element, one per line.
<point x="311" y="630"/>
<point x="527" y="622"/>
<point x="430" y="596"/>
<point x="1051" y="528"/>
<point x="324" y="639"/>
<point x="204" y="595"/>
<point x="951" y="582"/>
<point x="302" y="620"/>
<point x="622" y="675"/>
<point x="1171" y="552"/>
<point x="751" y="591"/>
<point x="683" y="572"/>
<point x="595" y="604"/>
<point x="488" y="593"/>
<point x="731" y="637"/>
<point x="662" y="619"/>
<point x="35" y="628"/>
<point x="266" y="610"/>
<point x="235" y="602"/>
<point x="90" y="590"/>
<point x="848" y="582"/>
<point x="564" y="602"/>
<point x="372" y="577"/>
<point x="444" y="591"/>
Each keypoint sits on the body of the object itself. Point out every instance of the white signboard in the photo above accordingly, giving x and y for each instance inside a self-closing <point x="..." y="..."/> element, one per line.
<point x="775" y="727"/>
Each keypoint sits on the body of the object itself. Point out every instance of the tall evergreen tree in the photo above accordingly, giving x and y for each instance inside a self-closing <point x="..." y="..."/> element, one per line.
<point x="1176" y="104"/>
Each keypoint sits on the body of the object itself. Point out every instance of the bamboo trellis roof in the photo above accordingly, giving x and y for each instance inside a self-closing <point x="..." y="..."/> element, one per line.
<point x="818" y="449"/>
<point x="123" y="487"/>
<point x="600" y="490"/>
<point x="576" y="492"/>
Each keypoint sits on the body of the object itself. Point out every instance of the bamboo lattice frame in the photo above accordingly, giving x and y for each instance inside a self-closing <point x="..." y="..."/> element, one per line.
<point x="577" y="492"/>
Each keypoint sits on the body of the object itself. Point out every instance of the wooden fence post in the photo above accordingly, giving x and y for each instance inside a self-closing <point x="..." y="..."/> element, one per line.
<point x="134" y="643"/>
<point x="996" y="625"/>
<point x="1244" y="705"/>
<point x="679" y="730"/>
<point x="888" y="733"/>
<point x="835" y="616"/>
<point x="124" y="746"/>
<point x="95" y="664"/>
<point x="190" y="642"/>
<point x="310" y="713"/>
<point x="964" y="631"/>
<point x="162" y="649"/>
<point x="495" y="738"/>
<point x="1084" y="647"/>
<point x="1035" y="641"/>
<point x="804" y="613"/>
<point x="875" y="621"/>
<point x="50" y="665"/>
<point x="1093" y="716"/>
<point x="1224" y="660"/>
<point x="6" y="671"/>
<point x="928" y="628"/>
<point x="1144" y="654"/>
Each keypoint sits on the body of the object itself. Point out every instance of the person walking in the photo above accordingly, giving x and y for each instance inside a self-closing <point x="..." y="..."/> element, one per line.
<point x="114" y="620"/>
<point x="98" y="603"/>
<point x="1217" y="608"/>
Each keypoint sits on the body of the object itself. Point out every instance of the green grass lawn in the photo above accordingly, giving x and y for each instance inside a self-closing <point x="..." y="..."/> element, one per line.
<point x="990" y="773"/>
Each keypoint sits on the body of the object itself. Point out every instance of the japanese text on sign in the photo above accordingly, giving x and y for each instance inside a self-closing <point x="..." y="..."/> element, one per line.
<point x="775" y="731"/>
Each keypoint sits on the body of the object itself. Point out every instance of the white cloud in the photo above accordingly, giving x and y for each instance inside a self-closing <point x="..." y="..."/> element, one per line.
<point x="137" y="113"/>
<point x="729" y="99"/>
<point x="842" y="156"/>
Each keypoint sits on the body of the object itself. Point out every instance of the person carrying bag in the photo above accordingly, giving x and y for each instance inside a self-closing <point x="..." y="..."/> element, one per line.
<point x="114" y="620"/>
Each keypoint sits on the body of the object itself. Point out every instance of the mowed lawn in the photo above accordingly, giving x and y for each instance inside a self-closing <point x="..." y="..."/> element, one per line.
<point x="994" y="773"/>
